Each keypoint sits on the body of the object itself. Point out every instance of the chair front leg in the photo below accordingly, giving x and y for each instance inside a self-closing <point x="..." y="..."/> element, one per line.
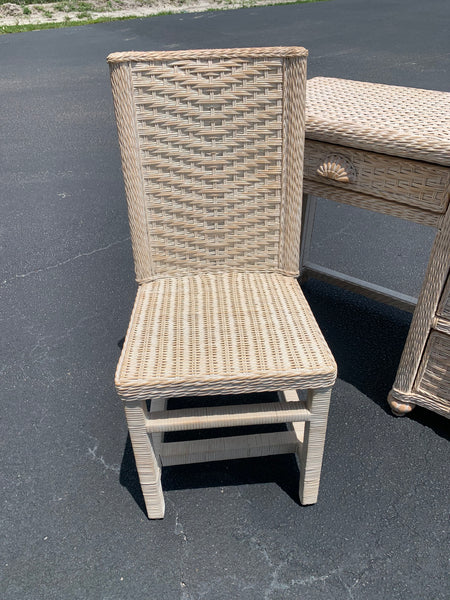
<point x="318" y="402"/>
<point x="147" y="464"/>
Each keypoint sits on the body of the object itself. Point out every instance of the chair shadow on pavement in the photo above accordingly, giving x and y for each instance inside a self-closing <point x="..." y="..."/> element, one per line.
<point x="281" y="470"/>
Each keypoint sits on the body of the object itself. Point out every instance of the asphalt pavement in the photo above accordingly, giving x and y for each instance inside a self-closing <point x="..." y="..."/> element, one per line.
<point x="72" y="519"/>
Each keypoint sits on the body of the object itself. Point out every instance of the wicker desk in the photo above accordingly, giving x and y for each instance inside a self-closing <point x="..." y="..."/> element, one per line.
<point x="387" y="149"/>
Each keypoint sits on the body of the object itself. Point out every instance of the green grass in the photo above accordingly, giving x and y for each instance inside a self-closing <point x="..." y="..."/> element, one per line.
<point x="67" y="23"/>
<point x="85" y="19"/>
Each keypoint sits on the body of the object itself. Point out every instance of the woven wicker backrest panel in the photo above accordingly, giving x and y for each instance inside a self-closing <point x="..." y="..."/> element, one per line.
<point x="209" y="133"/>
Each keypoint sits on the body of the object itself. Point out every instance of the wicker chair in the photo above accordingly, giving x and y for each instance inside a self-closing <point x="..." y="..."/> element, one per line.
<point x="212" y="151"/>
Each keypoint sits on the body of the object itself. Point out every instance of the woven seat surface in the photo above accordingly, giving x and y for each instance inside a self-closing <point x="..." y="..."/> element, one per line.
<point x="222" y="333"/>
<point x="399" y="121"/>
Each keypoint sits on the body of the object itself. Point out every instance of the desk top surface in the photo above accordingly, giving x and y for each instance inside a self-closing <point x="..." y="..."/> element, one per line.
<point x="398" y="121"/>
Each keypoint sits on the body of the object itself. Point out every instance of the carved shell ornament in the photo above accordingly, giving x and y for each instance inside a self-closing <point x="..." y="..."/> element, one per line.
<point x="337" y="168"/>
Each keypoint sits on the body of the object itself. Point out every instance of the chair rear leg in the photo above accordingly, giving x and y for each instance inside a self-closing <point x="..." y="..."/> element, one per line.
<point x="147" y="464"/>
<point x="313" y="444"/>
<point x="157" y="438"/>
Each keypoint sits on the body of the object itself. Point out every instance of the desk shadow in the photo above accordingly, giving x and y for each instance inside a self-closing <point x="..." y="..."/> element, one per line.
<point x="367" y="339"/>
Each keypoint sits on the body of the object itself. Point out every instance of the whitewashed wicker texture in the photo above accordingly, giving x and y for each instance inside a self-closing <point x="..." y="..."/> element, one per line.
<point x="406" y="123"/>
<point x="235" y="415"/>
<point x="411" y="182"/>
<point x="444" y="305"/>
<point x="210" y="138"/>
<point x="238" y="325"/>
<point x="318" y="402"/>
<point x="293" y="153"/>
<point x="262" y="249"/>
<point x="121" y="84"/>
<point x="147" y="463"/>
<point x="227" y="448"/>
<point x="222" y="333"/>
<point x="386" y="207"/>
<point x="393" y="120"/>
<point x="157" y="437"/>
<point x="432" y="386"/>
<point x="442" y="325"/>
<point x="422" y="321"/>
<point x="402" y="404"/>
<point x="297" y="428"/>
<point x="433" y="378"/>
<point x="207" y="54"/>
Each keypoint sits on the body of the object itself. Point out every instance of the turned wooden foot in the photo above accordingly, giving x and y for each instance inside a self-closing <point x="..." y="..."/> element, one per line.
<point x="398" y="407"/>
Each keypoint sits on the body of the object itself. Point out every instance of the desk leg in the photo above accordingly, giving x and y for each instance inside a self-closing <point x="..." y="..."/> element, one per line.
<point x="308" y="216"/>
<point x="401" y="397"/>
<point x="399" y="408"/>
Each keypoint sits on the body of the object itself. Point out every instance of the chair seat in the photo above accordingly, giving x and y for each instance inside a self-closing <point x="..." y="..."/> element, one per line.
<point x="222" y="333"/>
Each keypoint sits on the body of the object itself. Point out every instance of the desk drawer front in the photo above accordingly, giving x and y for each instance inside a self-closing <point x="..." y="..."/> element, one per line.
<point x="433" y="378"/>
<point x="398" y="179"/>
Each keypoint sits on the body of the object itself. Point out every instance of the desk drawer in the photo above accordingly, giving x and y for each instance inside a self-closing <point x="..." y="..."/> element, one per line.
<point x="433" y="379"/>
<point x="406" y="181"/>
